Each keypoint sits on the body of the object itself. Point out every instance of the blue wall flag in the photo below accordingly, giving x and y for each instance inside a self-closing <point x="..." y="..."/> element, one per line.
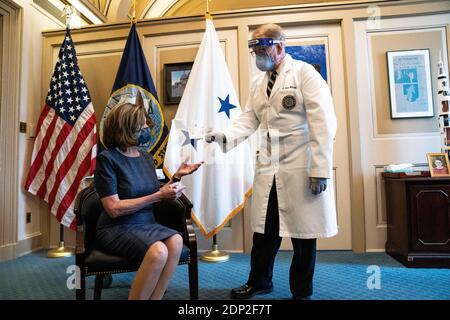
<point x="132" y="77"/>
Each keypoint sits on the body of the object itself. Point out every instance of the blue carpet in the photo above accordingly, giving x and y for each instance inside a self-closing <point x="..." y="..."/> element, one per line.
<point x="340" y="275"/>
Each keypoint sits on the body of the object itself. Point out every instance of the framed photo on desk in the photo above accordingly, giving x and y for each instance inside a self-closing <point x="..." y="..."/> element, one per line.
<point x="439" y="164"/>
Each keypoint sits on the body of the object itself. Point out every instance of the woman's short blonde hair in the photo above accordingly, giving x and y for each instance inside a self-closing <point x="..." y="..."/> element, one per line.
<point x="121" y="126"/>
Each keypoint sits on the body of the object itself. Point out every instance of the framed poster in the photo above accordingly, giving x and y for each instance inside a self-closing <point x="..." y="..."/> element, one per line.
<point x="175" y="79"/>
<point x="410" y="90"/>
<point x="314" y="54"/>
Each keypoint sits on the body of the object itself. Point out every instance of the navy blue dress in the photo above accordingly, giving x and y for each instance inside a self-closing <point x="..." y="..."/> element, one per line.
<point x="129" y="177"/>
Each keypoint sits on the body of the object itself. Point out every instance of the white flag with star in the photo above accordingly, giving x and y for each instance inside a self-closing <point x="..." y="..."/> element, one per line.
<point x="220" y="187"/>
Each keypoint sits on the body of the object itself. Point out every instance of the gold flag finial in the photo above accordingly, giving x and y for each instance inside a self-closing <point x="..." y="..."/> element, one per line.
<point x="132" y="12"/>
<point x="207" y="14"/>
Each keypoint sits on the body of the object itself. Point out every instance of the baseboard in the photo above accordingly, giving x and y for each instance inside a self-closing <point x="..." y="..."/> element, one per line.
<point x="375" y="250"/>
<point x="21" y="248"/>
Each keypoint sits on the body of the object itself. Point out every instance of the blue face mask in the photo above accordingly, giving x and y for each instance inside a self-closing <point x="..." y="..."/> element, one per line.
<point x="145" y="135"/>
<point x="264" y="62"/>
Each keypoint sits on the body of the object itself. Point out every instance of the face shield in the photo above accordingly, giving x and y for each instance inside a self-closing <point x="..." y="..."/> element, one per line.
<point x="261" y="49"/>
<point x="261" y="46"/>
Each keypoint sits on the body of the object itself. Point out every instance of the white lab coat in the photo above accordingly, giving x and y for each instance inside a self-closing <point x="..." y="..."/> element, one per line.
<point x="296" y="128"/>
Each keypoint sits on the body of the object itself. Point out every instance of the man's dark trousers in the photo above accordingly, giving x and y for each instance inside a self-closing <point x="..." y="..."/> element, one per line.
<point x="265" y="248"/>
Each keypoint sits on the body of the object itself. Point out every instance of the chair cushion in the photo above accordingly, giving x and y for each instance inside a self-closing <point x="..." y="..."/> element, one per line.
<point x="99" y="261"/>
<point x="184" y="258"/>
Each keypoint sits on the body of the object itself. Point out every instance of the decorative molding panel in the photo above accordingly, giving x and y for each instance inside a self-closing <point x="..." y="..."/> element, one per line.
<point x="380" y="197"/>
<point x="9" y="121"/>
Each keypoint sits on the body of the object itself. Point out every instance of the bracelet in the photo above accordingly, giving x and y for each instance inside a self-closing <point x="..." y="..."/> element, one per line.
<point x="175" y="179"/>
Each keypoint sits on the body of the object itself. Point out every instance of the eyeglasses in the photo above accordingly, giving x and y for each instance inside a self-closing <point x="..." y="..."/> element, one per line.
<point x="260" y="50"/>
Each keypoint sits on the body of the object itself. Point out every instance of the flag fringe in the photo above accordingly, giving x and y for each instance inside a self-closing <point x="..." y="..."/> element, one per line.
<point x="228" y="218"/>
<point x="217" y="229"/>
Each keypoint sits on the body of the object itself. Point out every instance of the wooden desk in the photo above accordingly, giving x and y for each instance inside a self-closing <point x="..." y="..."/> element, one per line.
<point x="418" y="220"/>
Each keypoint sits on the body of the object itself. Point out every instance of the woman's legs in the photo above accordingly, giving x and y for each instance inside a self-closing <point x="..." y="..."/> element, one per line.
<point x="174" y="246"/>
<point x="149" y="272"/>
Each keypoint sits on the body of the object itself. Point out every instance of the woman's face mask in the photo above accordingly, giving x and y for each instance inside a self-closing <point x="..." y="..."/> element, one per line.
<point x="145" y="135"/>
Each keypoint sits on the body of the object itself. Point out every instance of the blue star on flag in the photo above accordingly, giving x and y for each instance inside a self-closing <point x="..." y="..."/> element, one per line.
<point x="188" y="140"/>
<point x="226" y="106"/>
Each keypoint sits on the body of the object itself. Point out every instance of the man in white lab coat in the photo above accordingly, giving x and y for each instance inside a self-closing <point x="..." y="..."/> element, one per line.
<point x="291" y="108"/>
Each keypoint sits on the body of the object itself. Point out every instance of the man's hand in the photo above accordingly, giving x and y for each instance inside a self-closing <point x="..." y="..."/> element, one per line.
<point x="317" y="185"/>
<point x="215" y="136"/>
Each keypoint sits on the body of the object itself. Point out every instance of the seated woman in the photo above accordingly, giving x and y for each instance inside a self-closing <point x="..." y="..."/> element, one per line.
<point x="127" y="184"/>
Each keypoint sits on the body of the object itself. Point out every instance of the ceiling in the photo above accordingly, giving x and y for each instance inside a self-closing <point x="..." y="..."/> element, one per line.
<point x="108" y="11"/>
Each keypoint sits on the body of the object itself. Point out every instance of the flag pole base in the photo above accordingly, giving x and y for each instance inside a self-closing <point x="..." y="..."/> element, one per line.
<point x="60" y="252"/>
<point x="215" y="255"/>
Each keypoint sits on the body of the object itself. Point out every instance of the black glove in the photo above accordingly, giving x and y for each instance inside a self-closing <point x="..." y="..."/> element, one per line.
<point x="317" y="185"/>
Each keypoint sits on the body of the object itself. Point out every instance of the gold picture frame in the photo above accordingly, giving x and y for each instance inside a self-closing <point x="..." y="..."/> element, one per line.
<point x="439" y="164"/>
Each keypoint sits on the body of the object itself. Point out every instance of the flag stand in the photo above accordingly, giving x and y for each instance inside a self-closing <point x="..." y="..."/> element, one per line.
<point x="215" y="255"/>
<point x="61" y="251"/>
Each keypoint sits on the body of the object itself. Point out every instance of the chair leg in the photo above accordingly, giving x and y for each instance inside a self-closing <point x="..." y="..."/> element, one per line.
<point x="193" y="277"/>
<point x="98" y="286"/>
<point x="107" y="281"/>
<point x="81" y="291"/>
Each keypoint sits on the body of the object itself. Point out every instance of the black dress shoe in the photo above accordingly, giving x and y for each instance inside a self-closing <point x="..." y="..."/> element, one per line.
<point x="247" y="291"/>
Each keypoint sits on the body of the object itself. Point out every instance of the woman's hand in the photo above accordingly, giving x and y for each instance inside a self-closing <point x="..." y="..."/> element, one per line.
<point x="171" y="191"/>
<point x="186" y="169"/>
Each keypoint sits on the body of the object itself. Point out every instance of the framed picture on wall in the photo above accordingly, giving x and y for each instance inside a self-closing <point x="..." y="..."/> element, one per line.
<point x="175" y="79"/>
<point x="410" y="89"/>
<point x="314" y="53"/>
<point x="313" y="50"/>
<point x="439" y="164"/>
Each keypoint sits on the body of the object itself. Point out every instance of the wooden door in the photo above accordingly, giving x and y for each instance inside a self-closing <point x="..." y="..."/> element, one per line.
<point x="328" y="36"/>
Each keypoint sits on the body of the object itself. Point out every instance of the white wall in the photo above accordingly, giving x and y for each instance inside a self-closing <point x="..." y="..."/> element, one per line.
<point x="34" y="21"/>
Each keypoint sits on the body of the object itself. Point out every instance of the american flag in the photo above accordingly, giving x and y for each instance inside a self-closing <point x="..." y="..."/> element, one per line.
<point x="65" y="146"/>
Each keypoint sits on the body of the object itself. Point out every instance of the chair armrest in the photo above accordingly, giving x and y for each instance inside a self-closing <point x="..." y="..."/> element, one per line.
<point x="80" y="254"/>
<point x="188" y="205"/>
<point x="79" y="247"/>
<point x="79" y="243"/>
<point x="191" y="240"/>
<point x="79" y="240"/>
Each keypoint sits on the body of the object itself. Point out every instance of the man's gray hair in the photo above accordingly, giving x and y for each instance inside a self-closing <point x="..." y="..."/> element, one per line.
<point x="269" y="30"/>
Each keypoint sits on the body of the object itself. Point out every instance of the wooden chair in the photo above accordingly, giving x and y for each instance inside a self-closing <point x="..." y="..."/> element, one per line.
<point x="175" y="214"/>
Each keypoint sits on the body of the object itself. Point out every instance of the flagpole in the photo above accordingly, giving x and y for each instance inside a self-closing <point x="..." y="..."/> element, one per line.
<point x="62" y="251"/>
<point x="215" y="255"/>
